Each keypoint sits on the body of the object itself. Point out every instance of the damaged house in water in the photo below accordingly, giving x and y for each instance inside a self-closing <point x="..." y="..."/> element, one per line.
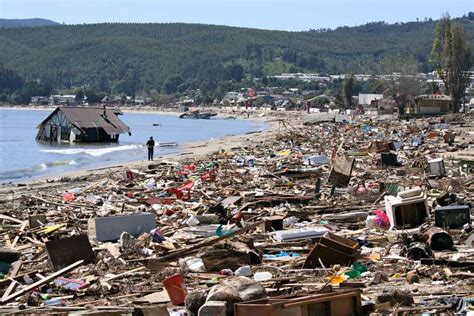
<point x="78" y="124"/>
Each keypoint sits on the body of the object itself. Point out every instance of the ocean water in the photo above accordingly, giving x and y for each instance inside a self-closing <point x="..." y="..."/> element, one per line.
<point x="22" y="157"/>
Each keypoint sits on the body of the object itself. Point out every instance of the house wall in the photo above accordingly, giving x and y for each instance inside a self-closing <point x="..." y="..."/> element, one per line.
<point x="56" y="129"/>
<point x="433" y="106"/>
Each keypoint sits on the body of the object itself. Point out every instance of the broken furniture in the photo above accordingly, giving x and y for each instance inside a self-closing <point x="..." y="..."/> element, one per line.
<point x="272" y="223"/>
<point x="332" y="249"/>
<point x="340" y="303"/>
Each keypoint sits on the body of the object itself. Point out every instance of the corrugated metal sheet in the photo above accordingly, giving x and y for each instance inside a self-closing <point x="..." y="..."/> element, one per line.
<point x="94" y="117"/>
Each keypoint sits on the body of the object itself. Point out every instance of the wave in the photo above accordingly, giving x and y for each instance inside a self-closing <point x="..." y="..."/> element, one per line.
<point x="46" y="165"/>
<point x="96" y="152"/>
<point x="34" y="170"/>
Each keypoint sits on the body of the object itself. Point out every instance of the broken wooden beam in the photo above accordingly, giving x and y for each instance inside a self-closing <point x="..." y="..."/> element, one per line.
<point x="42" y="281"/>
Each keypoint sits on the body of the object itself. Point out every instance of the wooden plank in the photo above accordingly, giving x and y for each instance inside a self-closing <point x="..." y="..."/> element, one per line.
<point x="16" y="266"/>
<point x="11" y="219"/>
<point x="208" y="242"/>
<point x="17" y="237"/>
<point x="43" y="281"/>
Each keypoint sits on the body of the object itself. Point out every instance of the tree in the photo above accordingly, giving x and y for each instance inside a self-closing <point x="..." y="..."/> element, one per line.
<point x="235" y="72"/>
<point x="349" y="88"/>
<point x="451" y="57"/>
<point x="79" y="96"/>
<point x="403" y="84"/>
<point x="319" y="102"/>
<point x="93" y="96"/>
<point x="30" y="89"/>
<point x="10" y="80"/>
<point x="171" y="85"/>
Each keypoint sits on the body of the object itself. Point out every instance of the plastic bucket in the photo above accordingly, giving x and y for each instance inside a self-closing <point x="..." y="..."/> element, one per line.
<point x="174" y="285"/>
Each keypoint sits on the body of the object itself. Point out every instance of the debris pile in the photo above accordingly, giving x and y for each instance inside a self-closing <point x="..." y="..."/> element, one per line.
<point x="335" y="218"/>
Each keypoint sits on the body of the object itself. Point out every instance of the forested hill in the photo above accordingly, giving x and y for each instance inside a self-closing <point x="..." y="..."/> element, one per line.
<point x="125" y="58"/>
<point x="8" y="23"/>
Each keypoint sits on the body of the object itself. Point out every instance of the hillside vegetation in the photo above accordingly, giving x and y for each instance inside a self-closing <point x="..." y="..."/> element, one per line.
<point x="8" y="23"/>
<point x="127" y="58"/>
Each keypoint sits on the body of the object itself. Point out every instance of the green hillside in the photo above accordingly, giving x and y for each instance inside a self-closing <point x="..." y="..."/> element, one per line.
<point x="8" y="23"/>
<point x="126" y="58"/>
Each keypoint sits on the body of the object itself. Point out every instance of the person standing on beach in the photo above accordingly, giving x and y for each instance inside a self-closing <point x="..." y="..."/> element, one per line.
<point x="150" y="144"/>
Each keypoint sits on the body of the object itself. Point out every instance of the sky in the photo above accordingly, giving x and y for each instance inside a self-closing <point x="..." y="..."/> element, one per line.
<point x="290" y="15"/>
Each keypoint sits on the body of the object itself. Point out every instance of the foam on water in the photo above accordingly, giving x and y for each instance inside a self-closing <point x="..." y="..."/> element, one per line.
<point x="35" y="169"/>
<point x="96" y="152"/>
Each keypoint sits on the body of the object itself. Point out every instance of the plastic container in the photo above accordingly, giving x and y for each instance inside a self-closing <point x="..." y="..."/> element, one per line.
<point x="69" y="196"/>
<point x="174" y="285"/>
<point x="192" y="221"/>
<point x="244" y="271"/>
<point x="262" y="276"/>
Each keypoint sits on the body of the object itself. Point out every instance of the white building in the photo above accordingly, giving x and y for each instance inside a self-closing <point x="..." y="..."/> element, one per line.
<point x="366" y="99"/>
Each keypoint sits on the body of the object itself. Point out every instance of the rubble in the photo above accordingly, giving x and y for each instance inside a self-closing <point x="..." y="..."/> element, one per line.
<point x="358" y="215"/>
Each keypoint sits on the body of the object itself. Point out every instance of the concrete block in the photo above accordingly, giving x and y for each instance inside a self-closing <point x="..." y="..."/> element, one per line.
<point x="213" y="308"/>
<point x="66" y="251"/>
<point x="109" y="228"/>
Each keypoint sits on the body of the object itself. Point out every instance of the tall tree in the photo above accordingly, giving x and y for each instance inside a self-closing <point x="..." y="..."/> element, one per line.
<point x="402" y="84"/>
<point x="79" y="96"/>
<point x="451" y="57"/>
<point x="349" y="88"/>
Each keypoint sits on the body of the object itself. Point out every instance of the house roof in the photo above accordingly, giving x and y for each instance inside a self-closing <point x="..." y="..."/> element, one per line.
<point x="82" y="117"/>
<point x="442" y="97"/>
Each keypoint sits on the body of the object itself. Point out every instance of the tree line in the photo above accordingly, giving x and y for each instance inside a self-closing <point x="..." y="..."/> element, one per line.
<point x="171" y="59"/>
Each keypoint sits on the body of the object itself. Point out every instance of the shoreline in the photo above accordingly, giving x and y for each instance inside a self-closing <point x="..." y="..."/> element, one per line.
<point x="188" y="150"/>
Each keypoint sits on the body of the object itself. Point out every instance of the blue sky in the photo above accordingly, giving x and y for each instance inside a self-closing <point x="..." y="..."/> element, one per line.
<point x="292" y="15"/>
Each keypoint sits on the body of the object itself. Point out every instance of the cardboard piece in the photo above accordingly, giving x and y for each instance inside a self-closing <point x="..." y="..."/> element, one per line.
<point x="341" y="171"/>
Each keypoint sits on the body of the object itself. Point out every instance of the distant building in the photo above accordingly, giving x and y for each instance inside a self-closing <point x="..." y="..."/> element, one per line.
<point x="302" y="77"/>
<point x="369" y="99"/>
<point x="41" y="100"/>
<point x="233" y="97"/>
<point x="433" y="104"/>
<point x="142" y="100"/>
<point x="62" y="99"/>
<point x="76" y="124"/>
